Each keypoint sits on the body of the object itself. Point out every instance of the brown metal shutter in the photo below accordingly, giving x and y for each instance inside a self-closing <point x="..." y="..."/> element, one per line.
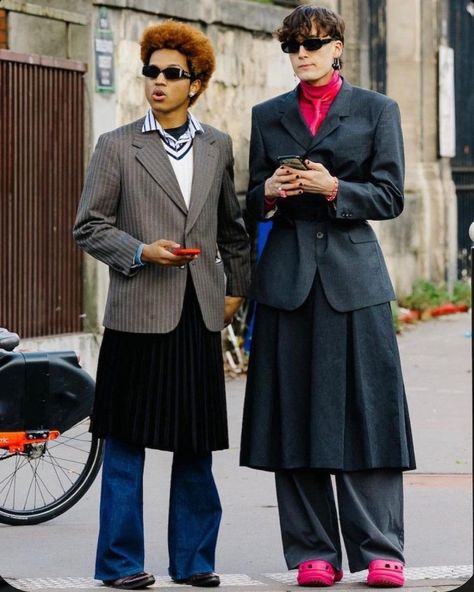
<point x="41" y="174"/>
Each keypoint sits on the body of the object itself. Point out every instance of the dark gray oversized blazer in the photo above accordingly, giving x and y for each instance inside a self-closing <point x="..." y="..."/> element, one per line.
<point x="131" y="196"/>
<point x="360" y="142"/>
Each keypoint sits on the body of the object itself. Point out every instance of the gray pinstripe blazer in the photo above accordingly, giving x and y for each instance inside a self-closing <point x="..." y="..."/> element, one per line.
<point x="131" y="196"/>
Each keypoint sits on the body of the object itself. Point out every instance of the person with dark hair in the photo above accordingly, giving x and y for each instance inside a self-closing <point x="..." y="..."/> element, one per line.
<point x="160" y="209"/>
<point x="325" y="396"/>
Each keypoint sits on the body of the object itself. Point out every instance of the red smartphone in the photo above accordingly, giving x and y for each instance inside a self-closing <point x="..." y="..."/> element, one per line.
<point x="180" y="251"/>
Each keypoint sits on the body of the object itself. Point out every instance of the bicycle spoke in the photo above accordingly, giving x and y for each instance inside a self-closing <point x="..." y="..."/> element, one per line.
<point x="34" y="481"/>
<point x="84" y="436"/>
<point x="66" y="460"/>
<point x="58" y="466"/>
<point x="61" y="441"/>
<point x="14" y="472"/>
<point x="10" y="482"/>
<point x="76" y="436"/>
<point x="41" y="480"/>
<point x="67" y="446"/>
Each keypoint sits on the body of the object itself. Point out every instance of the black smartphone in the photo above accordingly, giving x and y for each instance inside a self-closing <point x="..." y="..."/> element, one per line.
<point x="293" y="160"/>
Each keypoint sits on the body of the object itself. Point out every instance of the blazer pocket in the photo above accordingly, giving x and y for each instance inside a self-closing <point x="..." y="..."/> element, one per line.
<point x="363" y="234"/>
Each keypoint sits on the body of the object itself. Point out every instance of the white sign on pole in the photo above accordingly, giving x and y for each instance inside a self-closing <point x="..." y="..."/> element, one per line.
<point x="446" y="113"/>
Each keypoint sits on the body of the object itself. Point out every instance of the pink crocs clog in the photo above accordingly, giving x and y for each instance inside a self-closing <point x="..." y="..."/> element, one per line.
<point x="385" y="573"/>
<point x="317" y="572"/>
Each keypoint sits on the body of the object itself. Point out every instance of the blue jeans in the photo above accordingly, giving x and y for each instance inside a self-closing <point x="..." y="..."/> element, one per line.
<point x="194" y="514"/>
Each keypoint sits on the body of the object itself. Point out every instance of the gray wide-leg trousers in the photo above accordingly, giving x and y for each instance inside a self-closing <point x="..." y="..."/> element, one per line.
<point x="370" y="505"/>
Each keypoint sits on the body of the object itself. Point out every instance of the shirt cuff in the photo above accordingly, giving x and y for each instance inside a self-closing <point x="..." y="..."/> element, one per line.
<point x="270" y="207"/>
<point x="137" y="260"/>
<point x="271" y="213"/>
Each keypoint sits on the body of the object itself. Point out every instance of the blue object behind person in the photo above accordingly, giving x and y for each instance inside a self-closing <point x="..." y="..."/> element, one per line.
<point x="263" y="230"/>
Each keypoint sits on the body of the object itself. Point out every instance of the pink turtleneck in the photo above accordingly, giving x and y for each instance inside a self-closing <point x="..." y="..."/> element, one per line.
<point x="315" y="101"/>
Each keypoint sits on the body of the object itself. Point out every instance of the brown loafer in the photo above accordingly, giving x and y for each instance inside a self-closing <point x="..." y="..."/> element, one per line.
<point x="204" y="580"/>
<point x="134" y="582"/>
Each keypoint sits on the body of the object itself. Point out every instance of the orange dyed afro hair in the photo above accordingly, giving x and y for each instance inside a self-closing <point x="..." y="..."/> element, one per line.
<point x="187" y="40"/>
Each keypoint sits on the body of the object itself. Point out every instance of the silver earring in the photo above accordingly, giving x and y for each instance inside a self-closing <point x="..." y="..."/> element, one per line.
<point x="191" y="94"/>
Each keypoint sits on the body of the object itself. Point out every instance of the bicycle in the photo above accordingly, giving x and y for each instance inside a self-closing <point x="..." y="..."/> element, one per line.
<point x="234" y="336"/>
<point x="48" y="457"/>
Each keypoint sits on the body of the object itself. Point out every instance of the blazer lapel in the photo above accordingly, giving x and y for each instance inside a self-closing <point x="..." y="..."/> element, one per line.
<point x="340" y="108"/>
<point x="293" y="122"/>
<point x="204" y="171"/>
<point x="152" y="155"/>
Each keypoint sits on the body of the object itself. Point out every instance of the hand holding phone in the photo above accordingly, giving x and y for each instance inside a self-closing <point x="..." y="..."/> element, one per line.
<point x="168" y="253"/>
<point x="286" y="183"/>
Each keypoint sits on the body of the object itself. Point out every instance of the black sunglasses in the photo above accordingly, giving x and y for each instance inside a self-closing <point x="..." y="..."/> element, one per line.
<point x="170" y="73"/>
<point x="310" y="44"/>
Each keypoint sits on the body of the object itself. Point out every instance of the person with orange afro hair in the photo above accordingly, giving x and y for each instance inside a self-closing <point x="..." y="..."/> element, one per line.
<point x="189" y="41"/>
<point x="159" y="208"/>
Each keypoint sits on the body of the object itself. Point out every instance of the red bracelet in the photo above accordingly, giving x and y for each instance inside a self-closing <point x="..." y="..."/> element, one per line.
<point x="332" y="196"/>
<point x="269" y="203"/>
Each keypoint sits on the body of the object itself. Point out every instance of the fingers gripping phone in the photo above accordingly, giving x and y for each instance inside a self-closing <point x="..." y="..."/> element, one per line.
<point x="294" y="161"/>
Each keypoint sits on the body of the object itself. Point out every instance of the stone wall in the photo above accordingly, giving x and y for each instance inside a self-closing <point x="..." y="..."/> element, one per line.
<point x="421" y="243"/>
<point x="50" y="28"/>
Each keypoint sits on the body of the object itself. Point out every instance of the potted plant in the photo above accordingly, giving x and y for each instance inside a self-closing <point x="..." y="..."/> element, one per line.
<point x="462" y="295"/>
<point x="424" y="297"/>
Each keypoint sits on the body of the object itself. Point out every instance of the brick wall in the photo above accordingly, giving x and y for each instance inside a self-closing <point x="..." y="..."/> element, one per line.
<point x="3" y="29"/>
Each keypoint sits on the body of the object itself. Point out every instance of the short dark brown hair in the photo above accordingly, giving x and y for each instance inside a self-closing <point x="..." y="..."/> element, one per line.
<point x="300" y="22"/>
<point x="187" y="40"/>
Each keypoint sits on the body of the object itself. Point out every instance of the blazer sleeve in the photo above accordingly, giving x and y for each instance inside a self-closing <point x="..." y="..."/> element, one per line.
<point x="260" y="169"/>
<point x="381" y="197"/>
<point x="232" y="238"/>
<point x="95" y="228"/>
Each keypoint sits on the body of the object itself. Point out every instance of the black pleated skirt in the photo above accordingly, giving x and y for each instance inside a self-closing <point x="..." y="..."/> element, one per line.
<point x="325" y="390"/>
<point x="163" y="391"/>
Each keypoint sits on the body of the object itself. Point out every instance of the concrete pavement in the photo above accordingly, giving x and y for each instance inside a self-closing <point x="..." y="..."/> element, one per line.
<point x="438" y="506"/>
<point x="240" y="583"/>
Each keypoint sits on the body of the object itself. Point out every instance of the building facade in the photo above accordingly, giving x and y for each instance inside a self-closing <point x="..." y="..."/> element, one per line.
<point x="391" y="45"/>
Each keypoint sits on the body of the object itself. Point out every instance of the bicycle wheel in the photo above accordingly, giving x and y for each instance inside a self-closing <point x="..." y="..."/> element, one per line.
<point x="44" y="482"/>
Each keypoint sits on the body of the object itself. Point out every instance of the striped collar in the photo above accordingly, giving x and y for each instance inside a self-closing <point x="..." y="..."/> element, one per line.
<point x="176" y="148"/>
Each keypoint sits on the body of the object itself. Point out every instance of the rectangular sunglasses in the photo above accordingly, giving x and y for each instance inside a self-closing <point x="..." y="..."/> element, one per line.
<point x="170" y="73"/>
<point x="310" y="44"/>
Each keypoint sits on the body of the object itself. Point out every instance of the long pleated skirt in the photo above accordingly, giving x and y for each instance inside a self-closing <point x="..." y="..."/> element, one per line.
<point x="325" y="390"/>
<point x="163" y="391"/>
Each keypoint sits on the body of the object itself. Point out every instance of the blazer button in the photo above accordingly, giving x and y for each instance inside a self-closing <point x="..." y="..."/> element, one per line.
<point x="320" y="235"/>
